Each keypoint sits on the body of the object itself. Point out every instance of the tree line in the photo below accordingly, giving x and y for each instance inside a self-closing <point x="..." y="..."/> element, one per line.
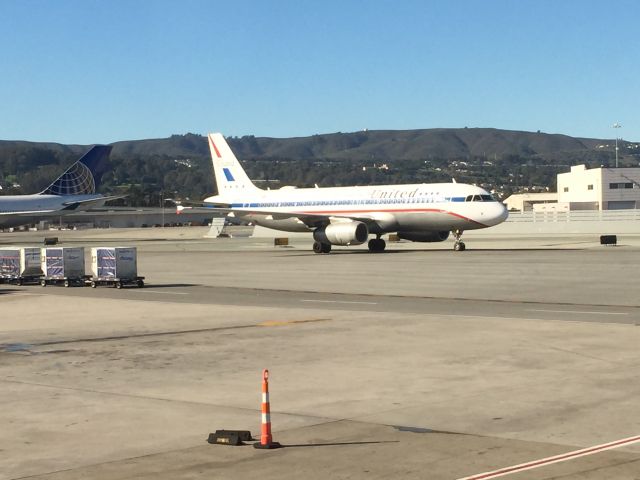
<point x="146" y="180"/>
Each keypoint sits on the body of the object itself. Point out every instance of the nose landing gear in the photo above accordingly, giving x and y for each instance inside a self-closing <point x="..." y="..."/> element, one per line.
<point x="377" y="245"/>
<point x="459" y="246"/>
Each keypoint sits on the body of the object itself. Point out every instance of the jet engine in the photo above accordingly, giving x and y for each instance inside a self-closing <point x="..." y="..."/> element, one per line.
<point x="424" y="236"/>
<point x="347" y="233"/>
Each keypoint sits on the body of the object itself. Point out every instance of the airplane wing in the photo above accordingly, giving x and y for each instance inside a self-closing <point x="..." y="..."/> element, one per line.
<point x="71" y="205"/>
<point x="26" y="212"/>
<point x="312" y="220"/>
<point x="75" y="204"/>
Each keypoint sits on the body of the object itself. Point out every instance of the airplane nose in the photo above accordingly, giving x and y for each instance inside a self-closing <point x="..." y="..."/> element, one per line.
<point x="500" y="214"/>
<point x="503" y="215"/>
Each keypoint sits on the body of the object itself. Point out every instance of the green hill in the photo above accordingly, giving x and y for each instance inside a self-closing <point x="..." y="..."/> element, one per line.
<point x="377" y="144"/>
<point x="146" y="170"/>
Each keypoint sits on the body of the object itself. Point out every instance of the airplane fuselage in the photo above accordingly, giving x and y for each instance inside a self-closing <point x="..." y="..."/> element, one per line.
<point x="20" y="209"/>
<point x="349" y="215"/>
<point x="412" y="207"/>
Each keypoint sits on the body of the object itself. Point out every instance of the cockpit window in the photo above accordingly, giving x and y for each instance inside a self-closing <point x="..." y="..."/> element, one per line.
<point x="479" y="198"/>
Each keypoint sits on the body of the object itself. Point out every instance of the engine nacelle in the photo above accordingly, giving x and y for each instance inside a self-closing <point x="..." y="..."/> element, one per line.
<point x="347" y="233"/>
<point x="424" y="236"/>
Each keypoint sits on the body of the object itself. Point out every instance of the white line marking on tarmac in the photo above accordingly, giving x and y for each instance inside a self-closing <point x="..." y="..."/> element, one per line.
<point x="555" y="459"/>
<point x="579" y="311"/>
<point x="340" y="301"/>
<point x="163" y="293"/>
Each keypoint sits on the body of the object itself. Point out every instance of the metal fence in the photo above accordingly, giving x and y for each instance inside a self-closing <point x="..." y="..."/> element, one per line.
<point x="575" y="216"/>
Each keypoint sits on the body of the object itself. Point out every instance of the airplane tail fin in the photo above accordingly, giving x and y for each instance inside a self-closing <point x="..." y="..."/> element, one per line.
<point x="83" y="177"/>
<point x="230" y="176"/>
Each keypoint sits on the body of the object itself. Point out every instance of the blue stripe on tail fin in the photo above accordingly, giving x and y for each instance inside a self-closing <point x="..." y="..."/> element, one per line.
<point x="83" y="177"/>
<point x="228" y="175"/>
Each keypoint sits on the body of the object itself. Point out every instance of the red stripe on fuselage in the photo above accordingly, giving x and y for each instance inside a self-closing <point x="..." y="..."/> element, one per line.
<point x="400" y="210"/>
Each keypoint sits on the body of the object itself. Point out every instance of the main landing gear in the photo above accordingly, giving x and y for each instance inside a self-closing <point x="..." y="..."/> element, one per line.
<point x="319" y="247"/>
<point x="376" y="245"/>
<point x="459" y="246"/>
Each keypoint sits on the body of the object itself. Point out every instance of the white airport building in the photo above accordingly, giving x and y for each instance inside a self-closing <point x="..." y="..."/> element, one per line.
<point x="585" y="189"/>
<point x="600" y="188"/>
<point x="525" y="202"/>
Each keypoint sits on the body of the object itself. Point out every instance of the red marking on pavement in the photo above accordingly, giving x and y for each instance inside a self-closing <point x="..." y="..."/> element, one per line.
<point x="555" y="459"/>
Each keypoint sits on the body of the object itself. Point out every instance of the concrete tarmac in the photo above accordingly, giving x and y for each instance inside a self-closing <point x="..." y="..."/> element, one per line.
<point x="417" y="363"/>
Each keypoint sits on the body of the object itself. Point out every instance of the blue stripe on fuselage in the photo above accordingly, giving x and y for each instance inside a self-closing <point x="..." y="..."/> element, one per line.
<point x="345" y="203"/>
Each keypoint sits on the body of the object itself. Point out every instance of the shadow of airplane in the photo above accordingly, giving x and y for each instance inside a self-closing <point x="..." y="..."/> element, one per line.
<point x="6" y="291"/>
<point x="433" y="252"/>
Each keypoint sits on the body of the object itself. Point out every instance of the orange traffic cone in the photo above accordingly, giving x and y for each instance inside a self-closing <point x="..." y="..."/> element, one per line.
<point x="265" y="437"/>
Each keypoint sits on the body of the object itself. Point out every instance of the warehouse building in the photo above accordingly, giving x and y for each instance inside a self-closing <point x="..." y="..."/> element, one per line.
<point x="525" y="202"/>
<point x="585" y="189"/>
<point x="600" y="188"/>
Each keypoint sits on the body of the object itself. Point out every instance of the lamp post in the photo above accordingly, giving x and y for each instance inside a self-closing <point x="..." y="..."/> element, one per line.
<point x="162" y="205"/>
<point x="616" y="125"/>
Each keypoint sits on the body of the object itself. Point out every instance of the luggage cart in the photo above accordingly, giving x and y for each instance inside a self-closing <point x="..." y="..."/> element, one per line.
<point x="63" y="266"/>
<point x="94" y="282"/>
<point x="115" y="267"/>
<point x="20" y="265"/>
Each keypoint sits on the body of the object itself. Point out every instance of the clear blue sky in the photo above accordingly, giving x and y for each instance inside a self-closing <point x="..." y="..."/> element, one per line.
<point x="88" y="71"/>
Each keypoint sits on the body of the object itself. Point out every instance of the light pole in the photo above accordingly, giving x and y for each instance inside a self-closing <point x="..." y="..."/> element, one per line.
<point x="162" y="205"/>
<point x="616" y="125"/>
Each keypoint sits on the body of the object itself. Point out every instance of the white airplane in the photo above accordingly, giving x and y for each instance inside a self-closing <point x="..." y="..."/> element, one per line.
<point x="74" y="190"/>
<point x="424" y="212"/>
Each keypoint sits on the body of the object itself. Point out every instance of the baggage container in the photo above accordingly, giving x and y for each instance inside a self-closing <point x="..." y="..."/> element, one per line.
<point x="63" y="264"/>
<point x="20" y="264"/>
<point x="116" y="266"/>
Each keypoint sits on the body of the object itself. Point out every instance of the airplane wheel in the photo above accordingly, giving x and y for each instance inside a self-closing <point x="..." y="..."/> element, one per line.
<point x="377" y="245"/>
<point x="459" y="247"/>
<point x="319" y="247"/>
